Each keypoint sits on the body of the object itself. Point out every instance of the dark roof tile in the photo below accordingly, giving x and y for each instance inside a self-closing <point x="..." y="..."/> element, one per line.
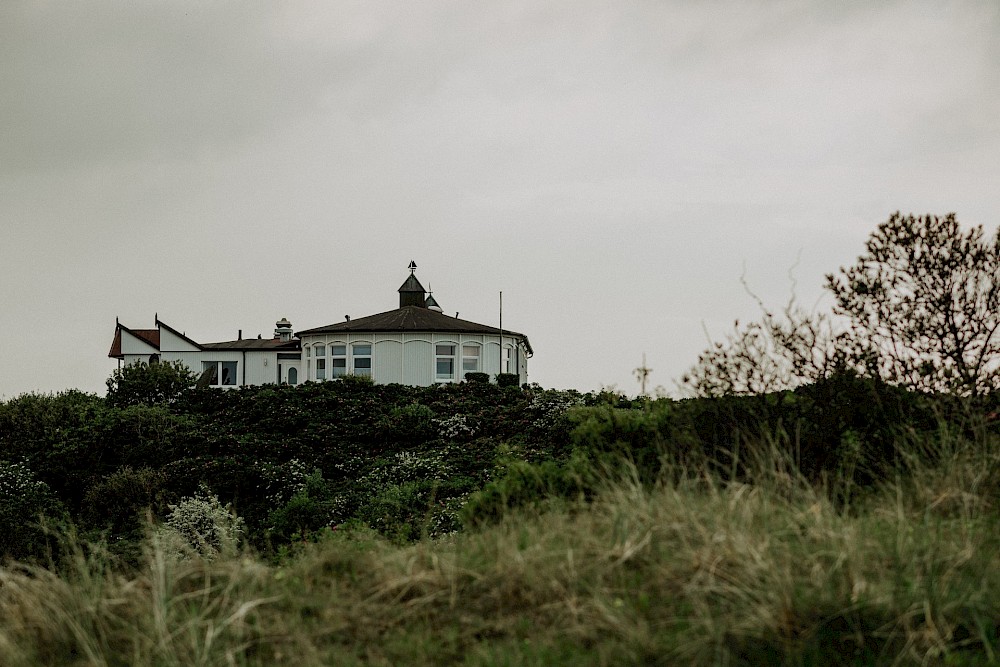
<point x="411" y="318"/>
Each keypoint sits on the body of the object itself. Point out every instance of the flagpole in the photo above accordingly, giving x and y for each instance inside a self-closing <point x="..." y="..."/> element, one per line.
<point x="501" y="332"/>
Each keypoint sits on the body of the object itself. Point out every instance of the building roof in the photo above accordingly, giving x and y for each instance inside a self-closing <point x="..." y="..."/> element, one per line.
<point x="411" y="284"/>
<point x="411" y="318"/>
<point x="254" y="344"/>
<point x="151" y="336"/>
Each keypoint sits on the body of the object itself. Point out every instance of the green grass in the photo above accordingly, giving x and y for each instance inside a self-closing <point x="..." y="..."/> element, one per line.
<point x="693" y="571"/>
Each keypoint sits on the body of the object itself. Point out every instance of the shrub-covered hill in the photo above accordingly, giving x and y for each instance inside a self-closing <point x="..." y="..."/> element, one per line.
<point x="408" y="461"/>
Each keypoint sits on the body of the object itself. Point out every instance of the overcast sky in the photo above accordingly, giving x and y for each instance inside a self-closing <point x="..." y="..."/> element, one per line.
<point x="612" y="167"/>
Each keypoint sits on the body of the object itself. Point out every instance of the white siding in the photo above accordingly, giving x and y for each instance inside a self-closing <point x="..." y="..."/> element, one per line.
<point x="418" y="360"/>
<point x="387" y="358"/>
<point x="262" y="367"/>
<point x="409" y="358"/>
<point x="134" y="345"/>
<point x="171" y="342"/>
<point x="491" y="357"/>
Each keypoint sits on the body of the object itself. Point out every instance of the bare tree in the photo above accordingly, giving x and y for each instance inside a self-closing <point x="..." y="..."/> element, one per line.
<point x="780" y="351"/>
<point x="924" y="305"/>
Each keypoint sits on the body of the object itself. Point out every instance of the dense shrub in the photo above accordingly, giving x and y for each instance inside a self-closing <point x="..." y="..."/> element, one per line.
<point x="120" y="500"/>
<point x="24" y="503"/>
<point x="148" y="384"/>
<point x="507" y="379"/>
<point x="310" y="509"/>
<point x="526" y="484"/>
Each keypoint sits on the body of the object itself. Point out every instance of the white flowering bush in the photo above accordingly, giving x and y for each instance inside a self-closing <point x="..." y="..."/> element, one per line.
<point x="282" y="481"/>
<point x="200" y="525"/>
<point x="456" y="426"/>
<point x="23" y="501"/>
<point x="549" y="406"/>
<point x="407" y="467"/>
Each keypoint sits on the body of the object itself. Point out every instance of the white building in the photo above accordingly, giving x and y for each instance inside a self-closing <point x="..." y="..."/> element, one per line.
<point x="414" y="344"/>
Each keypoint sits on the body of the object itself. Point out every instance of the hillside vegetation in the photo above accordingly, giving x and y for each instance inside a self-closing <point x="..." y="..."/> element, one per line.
<point x="828" y="494"/>
<point x="843" y="521"/>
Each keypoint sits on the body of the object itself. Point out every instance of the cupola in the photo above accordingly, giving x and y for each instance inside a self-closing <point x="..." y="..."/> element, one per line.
<point x="283" y="329"/>
<point x="431" y="303"/>
<point x="411" y="292"/>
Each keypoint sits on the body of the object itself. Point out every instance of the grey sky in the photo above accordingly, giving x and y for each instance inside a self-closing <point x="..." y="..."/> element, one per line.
<point x="612" y="167"/>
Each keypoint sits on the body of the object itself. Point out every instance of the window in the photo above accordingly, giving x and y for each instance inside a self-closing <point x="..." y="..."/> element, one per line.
<point x="321" y="369"/>
<point x="224" y="370"/>
<point x="362" y="359"/>
<point x="338" y="363"/>
<point x="508" y="366"/>
<point x="470" y="359"/>
<point x="444" y="362"/>
<point x="293" y="375"/>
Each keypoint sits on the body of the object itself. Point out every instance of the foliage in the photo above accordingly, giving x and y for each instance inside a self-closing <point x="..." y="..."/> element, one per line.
<point x="526" y="484"/>
<point x="148" y="384"/>
<point x="924" y="302"/>
<point x="782" y="350"/>
<point x="694" y="570"/>
<point x="24" y="503"/>
<point x="507" y="379"/>
<point x="120" y="500"/>
<point x="308" y="511"/>
<point x="919" y="309"/>
<point x="200" y="525"/>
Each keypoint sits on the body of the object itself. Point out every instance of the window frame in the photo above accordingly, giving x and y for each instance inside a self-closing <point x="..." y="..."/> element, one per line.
<point x="219" y="368"/>
<point x="338" y="356"/>
<point x="477" y="358"/>
<point x="355" y="357"/>
<point x="449" y="357"/>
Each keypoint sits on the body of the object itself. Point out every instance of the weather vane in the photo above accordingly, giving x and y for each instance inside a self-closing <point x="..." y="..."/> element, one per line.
<point x="413" y="266"/>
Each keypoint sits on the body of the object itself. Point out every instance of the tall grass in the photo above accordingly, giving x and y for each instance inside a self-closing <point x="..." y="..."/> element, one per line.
<point x="770" y="570"/>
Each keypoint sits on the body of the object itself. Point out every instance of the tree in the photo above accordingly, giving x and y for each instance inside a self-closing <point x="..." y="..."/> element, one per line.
<point x="780" y="351"/>
<point x="924" y="305"/>
<point x="148" y="384"/>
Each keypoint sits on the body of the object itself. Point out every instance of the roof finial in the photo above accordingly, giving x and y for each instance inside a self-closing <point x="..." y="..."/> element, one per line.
<point x="412" y="267"/>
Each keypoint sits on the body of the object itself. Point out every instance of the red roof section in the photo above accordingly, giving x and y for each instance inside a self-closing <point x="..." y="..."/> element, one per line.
<point x="151" y="336"/>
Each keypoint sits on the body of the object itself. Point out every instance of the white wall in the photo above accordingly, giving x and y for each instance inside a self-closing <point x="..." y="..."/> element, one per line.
<point x="171" y="342"/>
<point x="135" y="345"/>
<point x="409" y="358"/>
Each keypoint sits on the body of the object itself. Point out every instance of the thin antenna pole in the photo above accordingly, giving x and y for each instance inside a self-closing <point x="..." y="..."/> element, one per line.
<point x="501" y="331"/>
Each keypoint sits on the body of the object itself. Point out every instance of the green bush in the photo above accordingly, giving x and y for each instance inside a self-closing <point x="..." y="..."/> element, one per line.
<point x="508" y="379"/>
<point x="119" y="500"/>
<point x="526" y="484"/>
<point x="24" y="503"/>
<point x="148" y="384"/>
<point x="309" y="510"/>
<point x="401" y="511"/>
<point x="477" y="377"/>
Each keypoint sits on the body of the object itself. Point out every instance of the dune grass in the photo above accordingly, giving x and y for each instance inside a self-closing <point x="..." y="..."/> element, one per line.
<point x="691" y="571"/>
